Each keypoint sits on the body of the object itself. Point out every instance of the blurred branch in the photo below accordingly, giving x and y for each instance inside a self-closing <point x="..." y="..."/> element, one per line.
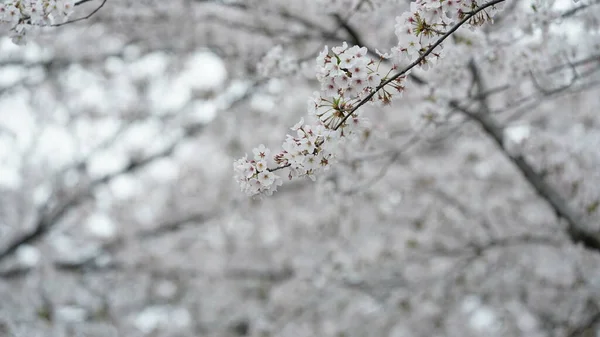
<point x="45" y="222"/>
<point x="586" y="327"/>
<point x="478" y="249"/>
<point x="49" y="214"/>
<point x="590" y="59"/>
<point x="466" y="256"/>
<point x="469" y="213"/>
<point x="529" y="103"/>
<point x="271" y="275"/>
<point x="394" y="156"/>
<point x="177" y="224"/>
<point x="13" y="273"/>
<point x="577" y="229"/>
<point x="59" y="63"/>
<point x="502" y="88"/>
<point x="576" y="10"/>
<point x="543" y="95"/>
<point x="355" y="37"/>
<point x="49" y="217"/>
<point x="552" y="91"/>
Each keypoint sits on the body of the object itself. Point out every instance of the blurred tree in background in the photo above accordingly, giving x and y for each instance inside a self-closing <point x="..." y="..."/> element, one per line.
<point x="469" y="207"/>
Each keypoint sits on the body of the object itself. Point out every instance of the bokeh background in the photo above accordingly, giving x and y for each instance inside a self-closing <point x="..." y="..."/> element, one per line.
<point x="119" y="214"/>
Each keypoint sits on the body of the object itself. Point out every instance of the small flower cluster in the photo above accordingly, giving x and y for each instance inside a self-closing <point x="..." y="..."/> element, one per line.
<point x="276" y="63"/>
<point x="22" y="15"/>
<point x="254" y="176"/>
<point x="347" y="75"/>
<point x="312" y="150"/>
<point x="428" y="20"/>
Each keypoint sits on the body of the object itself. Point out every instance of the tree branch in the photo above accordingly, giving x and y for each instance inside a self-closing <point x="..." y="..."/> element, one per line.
<point x="82" y="18"/>
<point x="577" y="229"/>
<point x="81" y="2"/>
<point x="357" y="40"/>
<point x="420" y="59"/>
<point x="47" y="220"/>
<point x="576" y="10"/>
<point x="354" y="36"/>
<point x="588" y="325"/>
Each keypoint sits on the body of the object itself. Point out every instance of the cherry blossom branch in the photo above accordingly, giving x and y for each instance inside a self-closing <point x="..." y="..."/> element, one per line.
<point x="420" y="59"/>
<point x="357" y="40"/>
<point x="349" y="80"/>
<point x="82" y="18"/>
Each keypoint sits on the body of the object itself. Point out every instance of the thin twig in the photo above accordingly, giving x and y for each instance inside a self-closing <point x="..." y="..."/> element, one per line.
<point x="81" y="2"/>
<point x="83" y="18"/>
<point x="576" y="10"/>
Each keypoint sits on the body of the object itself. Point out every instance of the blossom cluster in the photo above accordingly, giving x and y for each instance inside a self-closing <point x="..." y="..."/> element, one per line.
<point x="347" y="76"/>
<point x="346" y="73"/>
<point x="276" y="63"/>
<point x="254" y="176"/>
<point x="23" y="15"/>
<point x="310" y="151"/>
<point x="350" y="78"/>
<point x="305" y="154"/>
<point x="428" y="20"/>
